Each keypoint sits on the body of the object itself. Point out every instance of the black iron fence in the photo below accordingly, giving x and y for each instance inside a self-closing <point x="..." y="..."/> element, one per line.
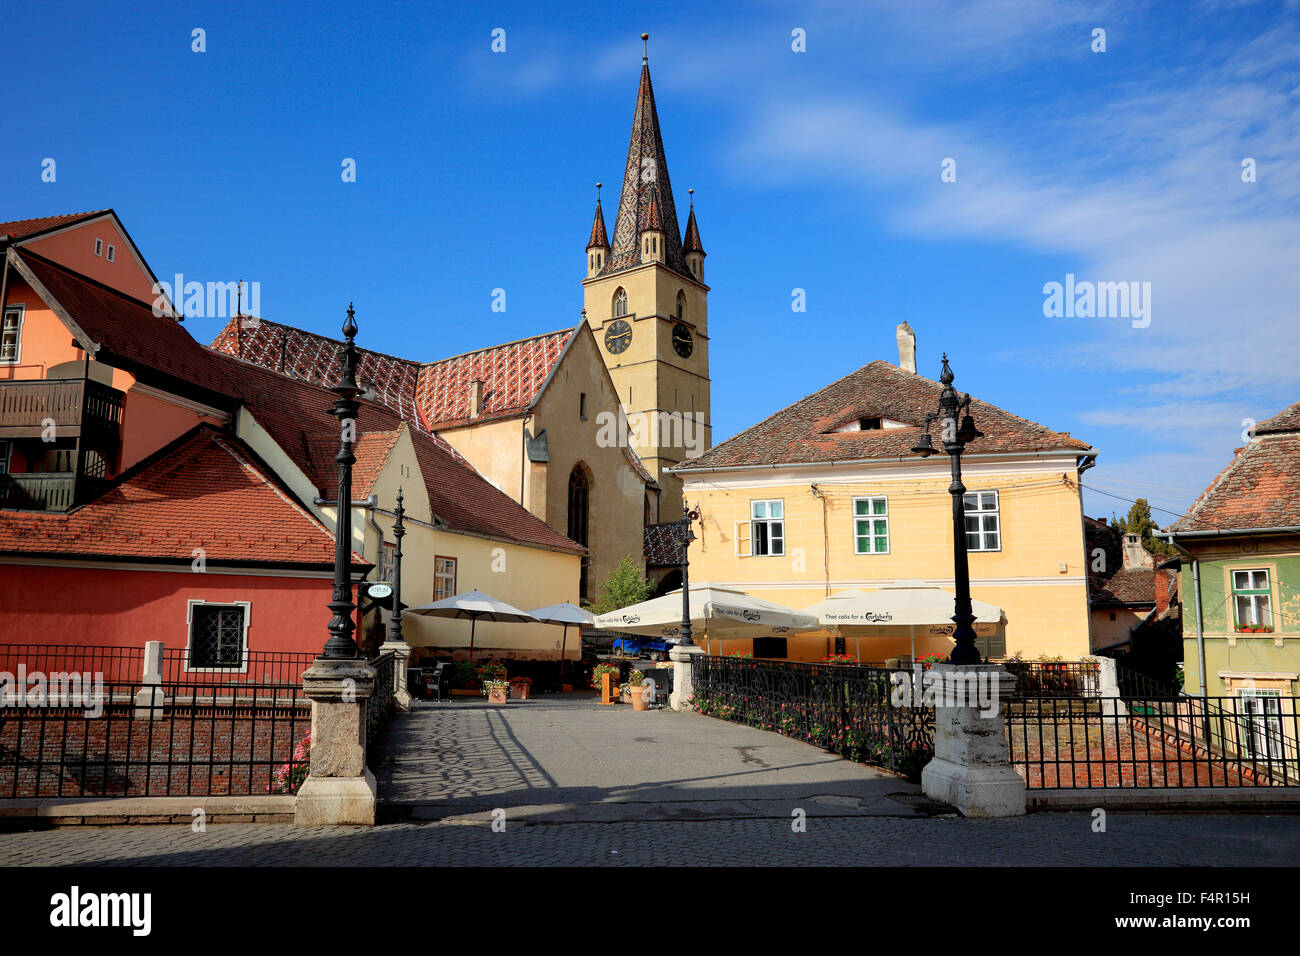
<point x="256" y="667"/>
<point x="383" y="701"/>
<point x="114" y="664"/>
<point x="846" y="709"/>
<point x="1061" y="679"/>
<point x="1167" y="741"/>
<point x="116" y="739"/>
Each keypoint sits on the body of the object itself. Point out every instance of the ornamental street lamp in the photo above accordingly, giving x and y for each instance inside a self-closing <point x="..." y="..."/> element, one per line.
<point x="685" y="536"/>
<point x="399" y="532"/>
<point x="954" y="438"/>
<point x="340" y="645"/>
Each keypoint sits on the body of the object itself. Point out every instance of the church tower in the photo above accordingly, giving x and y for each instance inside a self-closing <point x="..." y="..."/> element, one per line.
<point x="647" y="305"/>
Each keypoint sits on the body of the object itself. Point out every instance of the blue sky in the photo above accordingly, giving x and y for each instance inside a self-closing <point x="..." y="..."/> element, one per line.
<point x="817" y="170"/>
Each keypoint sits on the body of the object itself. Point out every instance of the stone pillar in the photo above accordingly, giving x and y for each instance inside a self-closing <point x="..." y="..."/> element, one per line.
<point x="149" y="699"/>
<point x="401" y="652"/>
<point x="339" y="789"/>
<point x="1108" y="689"/>
<point x="683" y="686"/>
<point x="971" y="769"/>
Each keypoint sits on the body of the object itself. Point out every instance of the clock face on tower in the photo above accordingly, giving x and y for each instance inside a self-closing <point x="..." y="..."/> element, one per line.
<point x="618" y="337"/>
<point x="682" y="341"/>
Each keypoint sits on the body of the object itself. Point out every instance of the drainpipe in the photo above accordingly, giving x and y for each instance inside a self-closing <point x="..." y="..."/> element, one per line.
<point x="1196" y="598"/>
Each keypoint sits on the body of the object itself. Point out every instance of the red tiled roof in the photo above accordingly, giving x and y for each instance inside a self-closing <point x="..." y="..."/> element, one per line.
<point x="1114" y="583"/>
<point x="294" y="413"/>
<point x="127" y="329"/>
<point x="26" y="228"/>
<point x="314" y="358"/>
<point x="512" y="375"/>
<point x="1287" y="420"/>
<point x="805" y="431"/>
<point x="205" y="490"/>
<point x="1260" y="488"/>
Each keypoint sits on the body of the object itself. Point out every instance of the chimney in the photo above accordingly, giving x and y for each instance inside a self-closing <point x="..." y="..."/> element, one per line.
<point x="1102" y="521"/>
<point x="906" y="348"/>
<point x="1135" y="555"/>
<point x="475" y="397"/>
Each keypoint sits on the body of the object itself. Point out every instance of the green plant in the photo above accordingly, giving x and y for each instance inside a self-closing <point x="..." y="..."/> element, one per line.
<point x="495" y="684"/>
<point x="625" y="585"/>
<point x="291" y="775"/>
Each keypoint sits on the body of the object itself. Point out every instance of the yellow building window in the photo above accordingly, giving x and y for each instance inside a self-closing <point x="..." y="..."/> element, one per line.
<point x="767" y="527"/>
<point x="871" y="525"/>
<point x="983" y="521"/>
<point x="444" y="578"/>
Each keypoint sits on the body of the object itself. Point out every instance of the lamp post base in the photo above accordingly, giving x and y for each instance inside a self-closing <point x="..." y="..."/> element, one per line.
<point x="683" y="684"/>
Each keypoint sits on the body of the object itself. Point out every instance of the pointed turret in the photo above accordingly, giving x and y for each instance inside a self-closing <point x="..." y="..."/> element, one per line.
<point x="598" y="244"/>
<point x="653" y="237"/>
<point x="692" y="248"/>
<point x="645" y="177"/>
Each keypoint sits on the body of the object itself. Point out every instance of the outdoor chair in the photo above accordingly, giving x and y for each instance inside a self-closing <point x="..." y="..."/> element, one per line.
<point x="437" y="681"/>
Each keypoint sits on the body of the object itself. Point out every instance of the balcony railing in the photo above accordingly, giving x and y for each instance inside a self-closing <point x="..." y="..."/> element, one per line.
<point x="47" y="491"/>
<point x="74" y="406"/>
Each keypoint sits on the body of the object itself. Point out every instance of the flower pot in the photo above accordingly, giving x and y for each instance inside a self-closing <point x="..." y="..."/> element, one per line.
<point x="520" y="691"/>
<point x="498" y="695"/>
<point x="639" y="701"/>
<point x="627" y="697"/>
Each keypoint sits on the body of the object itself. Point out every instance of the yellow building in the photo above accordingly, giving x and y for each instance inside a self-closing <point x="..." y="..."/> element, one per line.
<point x="826" y="495"/>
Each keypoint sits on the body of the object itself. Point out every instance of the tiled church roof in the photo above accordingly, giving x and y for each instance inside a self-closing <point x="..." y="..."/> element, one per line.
<point x="512" y="375"/>
<point x="645" y="174"/>
<point x="691" y="241"/>
<point x="428" y="396"/>
<point x="314" y="358"/>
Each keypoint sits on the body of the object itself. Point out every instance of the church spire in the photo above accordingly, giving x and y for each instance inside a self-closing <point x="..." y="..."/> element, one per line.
<point x="691" y="238"/>
<point x="645" y="178"/>
<point x="598" y="238"/>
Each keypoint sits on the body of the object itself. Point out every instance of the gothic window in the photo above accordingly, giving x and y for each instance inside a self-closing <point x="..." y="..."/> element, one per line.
<point x="620" y="302"/>
<point x="681" y="306"/>
<point x="579" y="507"/>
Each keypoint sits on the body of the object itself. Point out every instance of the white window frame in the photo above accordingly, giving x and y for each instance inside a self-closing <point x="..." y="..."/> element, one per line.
<point x="754" y="521"/>
<point x="99" y="247"/>
<point x="1253" y="594"/>
<point x="1261" y="731"/>
<point x="980" y="512"/>
<point x="871" y="518"/>
<point x="20" y="310"/>
<point x="438" y="574"/>
<point x="111" y="253"/>
<point x="189" y="637"/>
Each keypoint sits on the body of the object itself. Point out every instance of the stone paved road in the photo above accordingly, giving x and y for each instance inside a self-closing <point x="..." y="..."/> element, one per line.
<point x="1064" y="839"/>
<point x="578" y="784"/>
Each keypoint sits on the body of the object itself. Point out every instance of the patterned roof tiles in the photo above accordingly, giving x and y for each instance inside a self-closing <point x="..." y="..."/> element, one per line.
<point x="26" y="228"/>
<point x="512" y="375"/>
<point x="645" y="173"/>
<point x="599" y="239"/>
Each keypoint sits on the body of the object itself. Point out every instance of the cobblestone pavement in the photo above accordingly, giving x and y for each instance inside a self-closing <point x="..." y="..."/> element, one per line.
<point x="580" y="785"/>
<point x="1064" y="839"/>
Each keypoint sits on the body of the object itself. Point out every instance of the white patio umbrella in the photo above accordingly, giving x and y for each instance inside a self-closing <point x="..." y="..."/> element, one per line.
<point x="909" y="605"/>
<point x="715" y="611"/>
<point x="566" y="614"/>
<point x="474" y="605"/>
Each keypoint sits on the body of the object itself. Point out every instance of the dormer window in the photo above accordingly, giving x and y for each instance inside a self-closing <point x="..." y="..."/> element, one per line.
<point x="869" y="424"/>
<point x="620" y="302"/>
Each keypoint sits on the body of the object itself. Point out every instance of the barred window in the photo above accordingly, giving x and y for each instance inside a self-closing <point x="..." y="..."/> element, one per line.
<point x="217" y="635"/>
